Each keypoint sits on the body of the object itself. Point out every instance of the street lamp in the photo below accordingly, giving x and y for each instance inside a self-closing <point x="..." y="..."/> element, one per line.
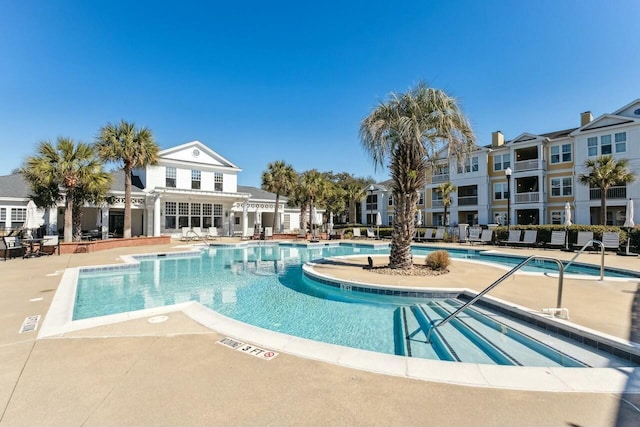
<point x="507" y="172"/>
<point x="371" y="189"/>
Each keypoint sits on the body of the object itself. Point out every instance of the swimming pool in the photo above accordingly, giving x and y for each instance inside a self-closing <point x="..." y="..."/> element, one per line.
<point x="264" y="286"/>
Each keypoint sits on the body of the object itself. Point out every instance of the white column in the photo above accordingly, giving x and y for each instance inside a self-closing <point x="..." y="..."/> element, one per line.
<point x="104" y="220"/>
<point x="245" y="221"/>
<point x="156" y="216"/>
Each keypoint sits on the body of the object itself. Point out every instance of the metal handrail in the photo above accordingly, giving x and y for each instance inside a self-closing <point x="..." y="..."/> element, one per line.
<point x="496" y="283"/>
<point x="199" y="237"/>
<point x="590" y="243"/>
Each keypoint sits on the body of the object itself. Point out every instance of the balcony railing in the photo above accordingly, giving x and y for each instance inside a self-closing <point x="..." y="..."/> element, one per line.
<point x="467" y="200"/>
<point x="619" y="192"/>
<point x="437" y="179"/>
<point x="533" y="197"/>
<point x="437" y="204"/>
<point x="526" y="165"/>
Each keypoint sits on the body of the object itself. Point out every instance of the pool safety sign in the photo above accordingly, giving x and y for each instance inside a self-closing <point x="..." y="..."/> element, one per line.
<point x="248" y="349"/>
<point x="30" y="324"/>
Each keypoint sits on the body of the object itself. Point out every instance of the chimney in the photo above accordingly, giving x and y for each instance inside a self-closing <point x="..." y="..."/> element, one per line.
<point x="585" y="118"/>
<point x="497" y="139"/>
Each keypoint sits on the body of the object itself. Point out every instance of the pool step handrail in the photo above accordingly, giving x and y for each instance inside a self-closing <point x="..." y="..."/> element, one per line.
<point x="586" y="245"/>
<point x="496" y="283"/>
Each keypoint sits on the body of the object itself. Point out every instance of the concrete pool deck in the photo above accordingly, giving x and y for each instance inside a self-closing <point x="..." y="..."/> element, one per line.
<point x="174" y="373"/>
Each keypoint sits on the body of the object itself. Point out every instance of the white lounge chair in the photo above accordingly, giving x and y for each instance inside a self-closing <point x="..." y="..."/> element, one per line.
<point x="50" y="244"/>
<point x="611" y="240"/>
<point x="370" y="234"/>
<point x="196" y="233"/>
<point x="212" y="233"/>
<point x="529" y="238"/>
<point x="513" y="238"/>
<point x="438" y="236"/>
<point x="485" y="238"/>
<point x="474" y="235"/>
<point x="356" y="233"/>
<point x="583" y="238"/>
<point x="557" y="239"/>
<point x="186" y="234"/>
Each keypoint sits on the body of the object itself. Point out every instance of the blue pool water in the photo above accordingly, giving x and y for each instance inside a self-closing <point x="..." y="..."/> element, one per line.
<point x="262" y="286"/>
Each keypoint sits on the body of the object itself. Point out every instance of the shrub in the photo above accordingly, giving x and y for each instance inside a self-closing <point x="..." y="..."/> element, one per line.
<point x="438" y="260"/>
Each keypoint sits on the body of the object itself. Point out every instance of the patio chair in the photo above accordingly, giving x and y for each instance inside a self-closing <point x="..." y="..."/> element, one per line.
<point x="50" y="244"/>
<point x="196" y="233"/>
<point x="268" y="233"/>
<point x="529" y="238"/>
<point x="513" y="239"/>
<point x="557" y="240"/>
<point x="485" y="238"/>
<point x="438" y="236"/>
<point x="186" y="234"/>
<point x="474" y="235"/>
<point x="583" y="238"/>
<point x="9" y="245"/>
<point x="212" y="233"/>
<point x="370" y="233"/>
<point x="356" y="233"/>
<point x="611" y="240"/>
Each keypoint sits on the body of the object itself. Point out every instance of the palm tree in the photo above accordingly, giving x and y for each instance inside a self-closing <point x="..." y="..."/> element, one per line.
<point x="73" y="169"/>
<point x="355" y="193"/>
<point x="313" y="186"/>
<point x="299" y="200"/>
<point x="279" y="178"/>
<point x="134" y="148"/>
<point x="604" y="173"/>
<point x="409" y="130"/>
<point x="446" y="188"/>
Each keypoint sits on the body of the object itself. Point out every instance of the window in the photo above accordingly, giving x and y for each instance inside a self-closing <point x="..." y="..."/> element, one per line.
<point x="196" y="208"/>
<point x="470" y="165"/>
<point x="390" y="199"/>
<point x="560" y="153"/>
<point x="207" y="218"/>
<point x="3" y="217"/>
<point x="217" y="215"/>
<point x="621" y="142"/>
<point x="170" y="215"/>
<point x="217" y="181"/>
<point x="500" y="191"/>
<point x="18" y="214"/>
<point x="605" y="144"/>
<point x="170" y="177"/>
<point x="557" y="217"/>
<point x="501" y="162"/>
<point x="592" y="146"/>
<point x="421" y="199"/>
<point x="390" y="218"/>
<point x="195" y="179"/>
<point x="561" y="187"/>
<point x="183" y="214"/>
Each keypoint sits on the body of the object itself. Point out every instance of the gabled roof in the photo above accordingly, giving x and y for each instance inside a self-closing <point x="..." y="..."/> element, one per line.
<point x="629" y="109"/>
<point x="196" y="152"/>
<point x="525" y="137"/>
<point x="604" y="121"/>
<point x="260" y="194"/>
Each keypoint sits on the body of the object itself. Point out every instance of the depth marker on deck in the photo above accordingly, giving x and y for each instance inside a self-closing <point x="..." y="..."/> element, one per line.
<point x="30" y="324"/>
<point x="248" y="349"/>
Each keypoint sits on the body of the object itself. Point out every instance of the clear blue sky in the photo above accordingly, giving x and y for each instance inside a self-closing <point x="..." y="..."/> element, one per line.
<point x="270" y="80"/>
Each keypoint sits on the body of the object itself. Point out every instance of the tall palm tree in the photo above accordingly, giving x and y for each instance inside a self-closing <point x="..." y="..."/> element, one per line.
<point x="313" y="186"/>
<point x="446" y="188"/>
<point x="409" y="130"/>
<point x="279" y="178"/>
<point x="298" y="199"/>
<point x="604" y="173"/>
<point x="73" y="169"/>
<point x="355" y="193"/>
<point x="132" y="147"/>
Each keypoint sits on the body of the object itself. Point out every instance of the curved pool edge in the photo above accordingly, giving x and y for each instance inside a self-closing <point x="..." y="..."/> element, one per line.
<point x="58" y="322"/>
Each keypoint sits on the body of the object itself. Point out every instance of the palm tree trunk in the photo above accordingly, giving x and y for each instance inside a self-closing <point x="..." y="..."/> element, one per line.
<point x="77" y="222"/>
<point x="603" y="206"/>
<point x="403" y="230"/>
<point x="311" y="216"/>
<point x="127" y="203"/>
<point x="352" y="212"/>
<point x="276" y="229"/>
<point x="444" y="220"/>
<point x="68" y="216"/>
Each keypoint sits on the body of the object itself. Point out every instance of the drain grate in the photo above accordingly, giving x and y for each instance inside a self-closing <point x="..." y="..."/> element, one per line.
<point x="30" y="324"/>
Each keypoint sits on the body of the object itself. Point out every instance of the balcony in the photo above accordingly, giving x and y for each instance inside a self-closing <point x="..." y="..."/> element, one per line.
<point x="437" y="204"/>
<point x="526" y="165"/>
<point x="532" y="197"/>
<point x="467" y="200"/>
<point x="619" y="192"/>
<point x="438" y="179"/>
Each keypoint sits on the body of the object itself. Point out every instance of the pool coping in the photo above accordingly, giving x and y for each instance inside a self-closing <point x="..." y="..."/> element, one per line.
<point x="58" y="322"/>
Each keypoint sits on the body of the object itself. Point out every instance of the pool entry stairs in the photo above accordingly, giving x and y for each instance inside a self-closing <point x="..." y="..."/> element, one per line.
<point x="472" y="337"/>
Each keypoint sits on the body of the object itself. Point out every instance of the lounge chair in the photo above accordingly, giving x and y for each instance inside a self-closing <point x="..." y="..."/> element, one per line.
<point x="356" y="233"/>
<point x="50" y="244"/>
<point x="370" y="233"/>
<point x="186" y="234"/>
<point x="196" y="233"/>
<point x="428" y="233"/>
<point x="474" y="235"/>
<point x="513" y="239"/>
<point x="557" y="240"/>
<point x="336" y="234"/>
<point x="486" y="238"/>
<point x="212" y="233"/>
<point x="268" y="233"/>
<point x="583" y="238"/>
<point x="438" y="236"/>
<point x="611" y="240"/>
<point x="9" y="245"/>
<point x="529" y="238"/>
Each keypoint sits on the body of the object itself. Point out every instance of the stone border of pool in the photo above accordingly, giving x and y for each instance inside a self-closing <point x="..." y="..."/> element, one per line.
<point x="600" y="380"/>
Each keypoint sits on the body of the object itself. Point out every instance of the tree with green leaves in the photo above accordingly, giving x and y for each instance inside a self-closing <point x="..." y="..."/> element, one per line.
<point x="356" y="191"/>
<point x="313" y="186"/>
<point x="409" y="130"/>
<point x="68" y="171"/>
<point x="605" y="172"/>
<point x="131" y="147"/>
<point x="445" y="189"/>
<point x="279" y="178"/>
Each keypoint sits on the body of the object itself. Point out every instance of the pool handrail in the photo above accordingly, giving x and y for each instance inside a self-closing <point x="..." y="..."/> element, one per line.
<point x="496" y="283"/>
<point x="590" y="243"/>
